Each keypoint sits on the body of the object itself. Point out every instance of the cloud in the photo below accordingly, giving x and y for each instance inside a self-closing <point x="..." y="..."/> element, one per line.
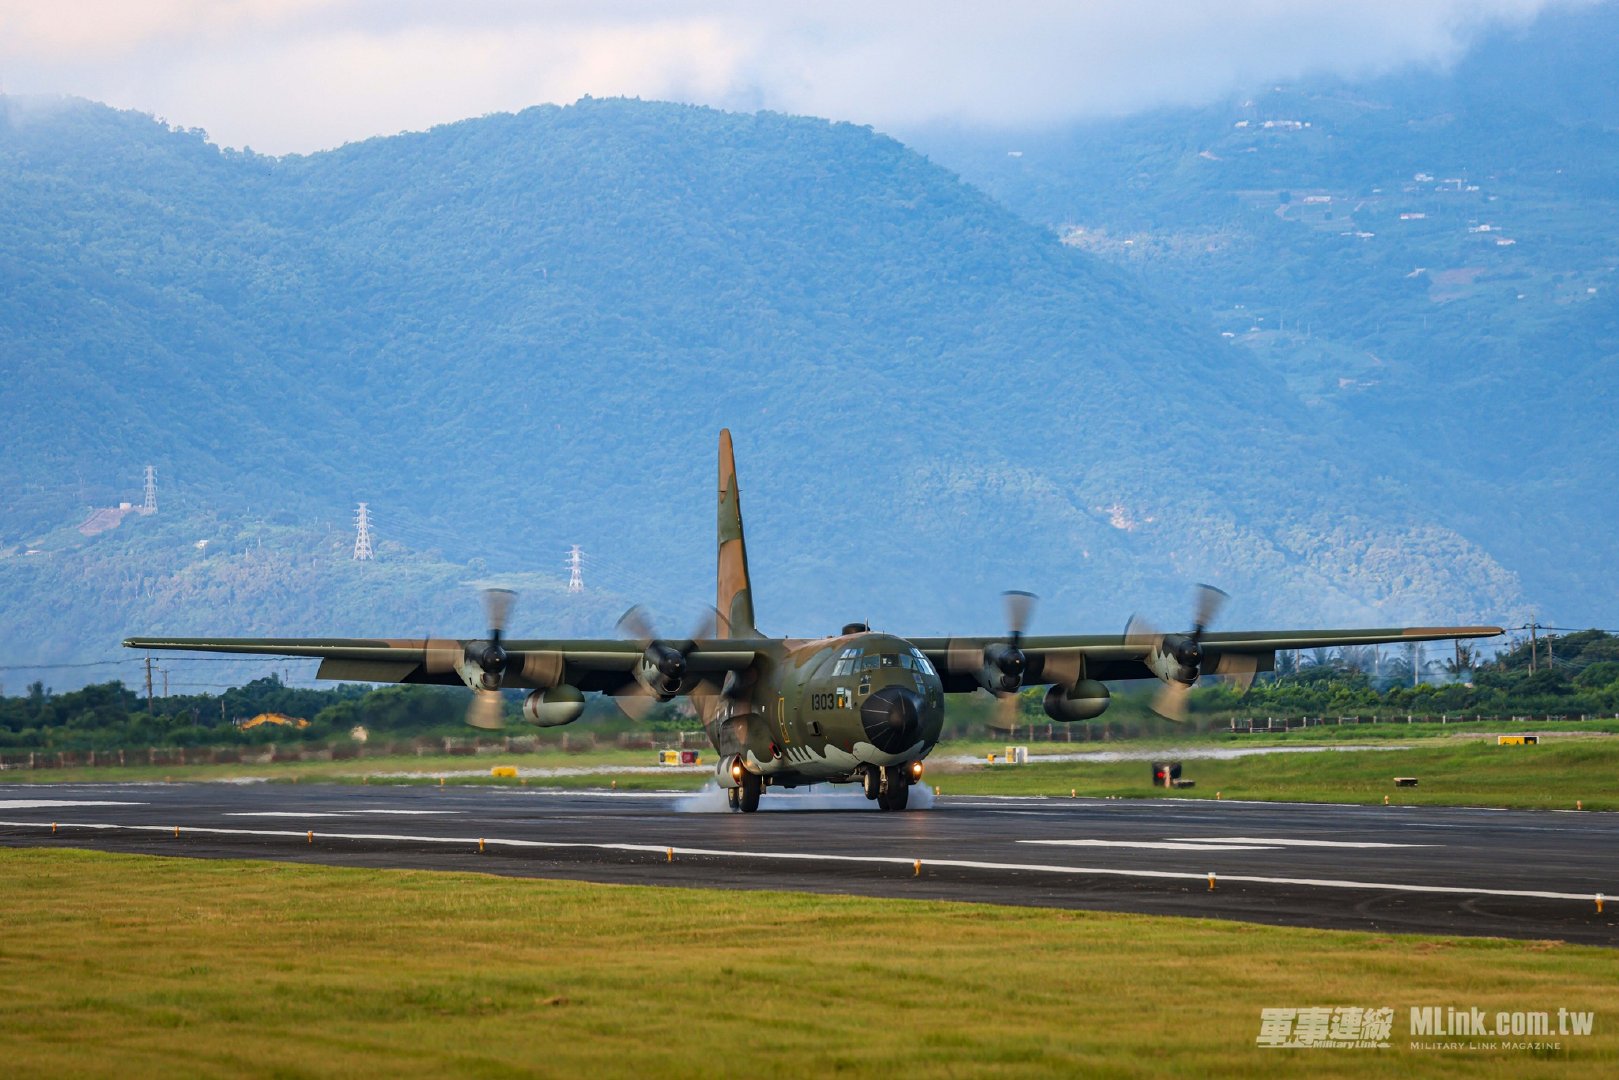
<point x="294" y="75"/>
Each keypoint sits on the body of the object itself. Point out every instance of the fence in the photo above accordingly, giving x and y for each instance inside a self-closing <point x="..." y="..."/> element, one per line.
<point x="1293" y="723"/>
<point x="270" y="753"/>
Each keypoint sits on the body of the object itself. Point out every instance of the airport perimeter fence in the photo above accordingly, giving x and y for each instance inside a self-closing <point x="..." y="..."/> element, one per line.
<point x="1294" y="723"/>
<point x="273" y="753"/>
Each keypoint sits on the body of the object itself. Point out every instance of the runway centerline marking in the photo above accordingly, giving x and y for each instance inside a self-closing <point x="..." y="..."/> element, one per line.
<point x="51" y="804"/>
<point x="869" y="860"/>
<point x="1153" y="845"/>
<point x="1280" y="842"/>
<point x="328" y="813"/>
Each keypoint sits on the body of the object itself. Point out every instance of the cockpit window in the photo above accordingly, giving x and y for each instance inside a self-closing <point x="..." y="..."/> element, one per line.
<point x="870" y="663"/>
<point x="848" y="660"/>
<point x="922" y="661"/>
<point x="890" y="660"/>
<point x="906" y="662"/>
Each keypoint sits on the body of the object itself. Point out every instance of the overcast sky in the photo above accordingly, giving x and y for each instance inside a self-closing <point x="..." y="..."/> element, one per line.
<point x="299" y="75"/>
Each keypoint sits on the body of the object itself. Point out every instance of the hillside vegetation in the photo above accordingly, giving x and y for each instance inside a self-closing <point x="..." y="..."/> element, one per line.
<point x="1426" y="259"/>
<point x="521" y="332"/>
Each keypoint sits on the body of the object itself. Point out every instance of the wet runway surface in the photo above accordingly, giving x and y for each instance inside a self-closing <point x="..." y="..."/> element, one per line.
<point x="1525" y="874"/>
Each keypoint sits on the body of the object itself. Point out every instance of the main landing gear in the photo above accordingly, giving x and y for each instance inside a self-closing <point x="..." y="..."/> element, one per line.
<point x="745" y="796"/>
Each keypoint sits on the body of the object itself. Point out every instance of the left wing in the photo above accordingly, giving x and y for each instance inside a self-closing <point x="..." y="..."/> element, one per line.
<point x="604" y="665"/>
<point x="1066" y="659"/>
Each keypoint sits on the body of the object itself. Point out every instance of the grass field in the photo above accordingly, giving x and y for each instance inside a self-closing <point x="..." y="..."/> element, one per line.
<point x="1557" y="774"/>
<point x="130" y="966"/>
<point x="1455" y="770"/>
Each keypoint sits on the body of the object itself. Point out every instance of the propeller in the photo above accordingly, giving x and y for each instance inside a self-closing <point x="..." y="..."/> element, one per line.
<point x="1186" y="650"/>
<point x="661" y="669"/>
<point x="481" y="664"/>
<point x="998" y="665"/>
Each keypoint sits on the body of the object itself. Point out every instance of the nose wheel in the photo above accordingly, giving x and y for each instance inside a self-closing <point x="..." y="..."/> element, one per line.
<point x="896" y="788"/>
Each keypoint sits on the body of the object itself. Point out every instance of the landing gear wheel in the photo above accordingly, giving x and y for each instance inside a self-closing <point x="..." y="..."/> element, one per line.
<point x="733" y="797"/>
<point x="871" y="782"/>
<point x="753" y="786"/>
<point x="897" y="791"/>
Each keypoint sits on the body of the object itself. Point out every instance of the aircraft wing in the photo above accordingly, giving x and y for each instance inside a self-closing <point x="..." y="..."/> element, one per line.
<point x="603" y="665"/>
<point x="1106" y="657"/>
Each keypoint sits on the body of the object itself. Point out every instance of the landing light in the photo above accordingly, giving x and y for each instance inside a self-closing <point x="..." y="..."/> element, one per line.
<point x="736" y="770"/>
<point x="916" y="771"/>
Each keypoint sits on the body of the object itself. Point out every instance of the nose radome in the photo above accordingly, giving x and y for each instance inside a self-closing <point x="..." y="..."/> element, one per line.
<point x="892" y="716"/>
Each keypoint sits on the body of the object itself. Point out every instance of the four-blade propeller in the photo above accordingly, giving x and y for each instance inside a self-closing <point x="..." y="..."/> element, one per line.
<point x="1177" y="659"/>
<point x="999" y="666"/>
<point x="481" y="664"/>
<point x="660" y="672"/>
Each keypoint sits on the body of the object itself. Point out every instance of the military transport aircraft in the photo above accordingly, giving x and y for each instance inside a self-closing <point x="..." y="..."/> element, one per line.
<point x="859" y="706"/>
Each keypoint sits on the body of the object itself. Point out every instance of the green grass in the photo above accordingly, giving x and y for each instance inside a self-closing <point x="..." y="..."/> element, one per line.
<point x="373" y="770"/>
<point x="132" y="966"/>
<point x="1452" y="772"/>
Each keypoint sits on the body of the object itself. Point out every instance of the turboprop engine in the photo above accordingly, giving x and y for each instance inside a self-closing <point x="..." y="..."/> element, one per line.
<point x="1085" y="700"/>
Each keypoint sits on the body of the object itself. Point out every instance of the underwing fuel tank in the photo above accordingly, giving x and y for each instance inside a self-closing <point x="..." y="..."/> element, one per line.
<point x="554" y="707"/>
<point x="1085" y="700"/>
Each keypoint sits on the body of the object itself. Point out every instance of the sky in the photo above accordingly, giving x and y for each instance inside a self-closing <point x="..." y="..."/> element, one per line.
<point x="287" y="76"/>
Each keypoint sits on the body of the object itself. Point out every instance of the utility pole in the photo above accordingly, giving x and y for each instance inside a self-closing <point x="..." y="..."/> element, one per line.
<point x="148" y="682"/>
<point x="362" y="534"/>
<point x="149" y="503"/>
<point x="1534" y="646"/>
<point x="576" y="571"/>
<point x="1416" y="663"/>
<point x="165" y="682"/>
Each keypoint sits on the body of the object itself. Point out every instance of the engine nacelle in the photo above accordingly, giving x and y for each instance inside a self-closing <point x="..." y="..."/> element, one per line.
<point x="1085" y="700"/>
<point x="661" y="670"/>
<point x="554" y="707"/>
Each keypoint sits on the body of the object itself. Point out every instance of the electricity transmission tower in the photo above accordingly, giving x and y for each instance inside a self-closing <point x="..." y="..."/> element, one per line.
<point x="576" y="570"/>
<point x="362" y="534"/>
<point x="149" y="503"/>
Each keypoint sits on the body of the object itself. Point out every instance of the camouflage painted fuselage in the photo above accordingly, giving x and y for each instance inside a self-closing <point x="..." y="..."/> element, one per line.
<point x="820" y="710"/>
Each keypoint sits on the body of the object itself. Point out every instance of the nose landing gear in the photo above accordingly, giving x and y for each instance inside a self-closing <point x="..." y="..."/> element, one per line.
<point x="889" y="786"/>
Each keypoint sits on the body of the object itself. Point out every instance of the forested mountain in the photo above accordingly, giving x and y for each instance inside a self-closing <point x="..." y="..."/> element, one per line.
<point x="1427" y="259"/>
<point x="521" y="332"/>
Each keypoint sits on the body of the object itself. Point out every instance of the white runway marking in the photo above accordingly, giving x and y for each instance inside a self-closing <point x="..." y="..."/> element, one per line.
<point x="1235" y="840"/>
<point x="1153" y="845"/>
<point x="329" y="813"/>
<point x="659" y="851"/>
<point x="48" y="804"/>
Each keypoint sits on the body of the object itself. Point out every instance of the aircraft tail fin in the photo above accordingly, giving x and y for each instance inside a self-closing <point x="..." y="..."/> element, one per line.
<point x="734" y="599"/>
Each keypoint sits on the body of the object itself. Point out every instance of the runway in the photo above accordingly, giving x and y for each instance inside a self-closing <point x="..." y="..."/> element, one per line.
<point x="1523" y="874"/>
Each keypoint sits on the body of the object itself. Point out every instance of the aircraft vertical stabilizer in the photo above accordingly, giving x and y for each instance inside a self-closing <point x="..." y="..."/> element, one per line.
<point x="734" y="600"/>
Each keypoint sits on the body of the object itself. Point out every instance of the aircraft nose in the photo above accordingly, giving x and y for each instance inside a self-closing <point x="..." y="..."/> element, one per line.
<point x="892" y="717"/>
